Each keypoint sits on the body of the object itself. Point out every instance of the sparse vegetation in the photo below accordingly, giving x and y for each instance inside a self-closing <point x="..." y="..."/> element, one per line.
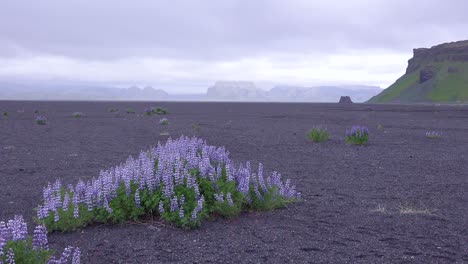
<point x="357" y="135"/>
<point x="155" y="111"/>
<point x="41" y="120"/>
<point x="318" y="134"/>
<point x="409" y="210"/>
<point x="380" y="127"/>
<point x="130" y="111"/>
<point x="113" y="110"/>
<point x="5" y="114"/>
<point x="77" y="115"/>
<point x="433" y="134"/>
<point x="164" y="122"/>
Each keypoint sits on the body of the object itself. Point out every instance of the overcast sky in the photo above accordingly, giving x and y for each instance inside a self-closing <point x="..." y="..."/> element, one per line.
<point x="186" y="45"/>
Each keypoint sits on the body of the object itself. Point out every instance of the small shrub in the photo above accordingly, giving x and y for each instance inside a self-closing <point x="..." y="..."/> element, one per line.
<point x="318" y="134"/>
<point x="41" y="120"/>
<point x="357" y="135"/>
<point x="77" y="115"/>
<point x="113" y="110"/>
<point x="155" y="111"/>
<point x="5" y="113"/>
<point x="433" y="134"/>
<point x="130" y="111"/>
<point x="164" y="122"/>
<point x="183" y="182"/>
<point x="160" y="111"/>
<point x="36" y="111"/>
<point x="16" y="246"/>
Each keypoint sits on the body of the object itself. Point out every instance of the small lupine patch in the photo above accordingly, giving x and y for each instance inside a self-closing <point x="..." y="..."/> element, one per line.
<point x="16" y="246"/>
<point x="433" y="134"/>
<point x="183" y="181"/>
<point x="78" y="114"/>
<point x="41" y="120"/>
<point x="357" y="135"/>
<point x="164" y="122"/>
<point x="318" y="134"/>
<point x="130" y="111"/>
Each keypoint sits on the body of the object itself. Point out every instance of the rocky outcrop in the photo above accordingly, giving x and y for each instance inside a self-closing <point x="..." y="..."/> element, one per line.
<point x="345" y="100"/>
<point x="453" y="51"/>
<point x="436" y="74"/>
<point x="426" y="73"/>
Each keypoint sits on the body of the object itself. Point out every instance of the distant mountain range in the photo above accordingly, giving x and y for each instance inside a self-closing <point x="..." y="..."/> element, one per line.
<point x="220" y="91"/>
<point x="247" y="91"/>
<point x="436" y="74"/>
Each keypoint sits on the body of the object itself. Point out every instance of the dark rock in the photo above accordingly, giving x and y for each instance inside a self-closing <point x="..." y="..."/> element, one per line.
<point x="426" y="74"/>
<point x="345" y="100"/>
<point x="453" y="51"/>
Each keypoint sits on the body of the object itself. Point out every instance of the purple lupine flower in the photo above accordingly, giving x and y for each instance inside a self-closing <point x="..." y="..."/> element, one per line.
<point x="195" y="214"/>
<point x="66" y="202"/>
<point x="39" y="240"/>
<point x="41" y="120"/>
<point x="161" y="207"/>
<point x="76" y="212"/>
<point x="229" y="199"/>
<point x="200" y="203"/>
<point x="4" y="232"/>
<point x="2" y="244"/>
<point x="10" y="256"/>
<point x="56" y="216"/>
<point x="76" y="256"/>
<point x="260" y="177"/>
<point x="174" y="204"/>
<point x="17" y="228"/>
<point x="107" y="207"/>
<point x="181" y="212"/>
<point x="219" y="197"/>
<point x="137" y="198"/>
<point x="182" y="200"/>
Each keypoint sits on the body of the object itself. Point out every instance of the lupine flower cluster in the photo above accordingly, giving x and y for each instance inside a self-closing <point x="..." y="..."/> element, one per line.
<point x="77" y="114"/>
<point x="41" y="120"/>
<point x="433" y="134"/>
<point x="183" y="181"/>
<point x="318" y="134"/>
<point x="164" y="122"/>
<point x="357" y="135"/>
<point x="17" y="247"/>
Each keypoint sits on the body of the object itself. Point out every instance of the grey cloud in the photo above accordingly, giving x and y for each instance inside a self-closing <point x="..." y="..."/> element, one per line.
<point x="220" y="30"/>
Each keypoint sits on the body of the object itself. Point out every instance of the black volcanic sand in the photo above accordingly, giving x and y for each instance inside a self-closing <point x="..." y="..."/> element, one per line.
<point x="352" y="195"/>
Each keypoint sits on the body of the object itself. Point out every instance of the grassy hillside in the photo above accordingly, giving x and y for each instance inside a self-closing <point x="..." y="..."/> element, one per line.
<point x="438" y="74"/>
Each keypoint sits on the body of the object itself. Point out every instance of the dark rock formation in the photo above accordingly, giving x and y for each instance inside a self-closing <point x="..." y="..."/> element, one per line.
<point x="426" y="73"/>
<point x="453" y="51"/>
<point x="345" y="100"/>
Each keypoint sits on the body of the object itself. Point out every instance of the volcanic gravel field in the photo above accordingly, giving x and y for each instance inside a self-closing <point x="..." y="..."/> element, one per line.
<point x="402" y="198"/>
